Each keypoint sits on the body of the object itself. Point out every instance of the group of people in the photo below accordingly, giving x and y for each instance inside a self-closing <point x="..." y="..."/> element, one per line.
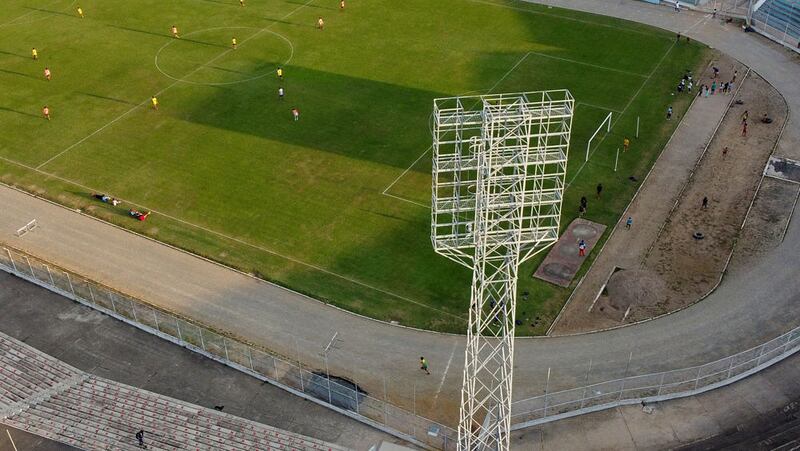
<point x="136" y="214"/>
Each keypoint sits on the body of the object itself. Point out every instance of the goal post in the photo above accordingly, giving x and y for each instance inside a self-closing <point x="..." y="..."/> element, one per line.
<point x="607" y="123"/>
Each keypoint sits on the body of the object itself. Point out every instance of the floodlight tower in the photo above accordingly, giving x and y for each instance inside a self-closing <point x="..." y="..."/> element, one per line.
<point x="499" y="163"/>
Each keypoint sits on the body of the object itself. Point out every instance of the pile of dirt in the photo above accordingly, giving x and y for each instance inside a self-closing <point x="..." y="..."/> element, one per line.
<point x="639" y="287"/>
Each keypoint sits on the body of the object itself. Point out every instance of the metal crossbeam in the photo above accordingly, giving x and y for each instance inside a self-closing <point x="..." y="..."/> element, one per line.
<point x="498" y="182"/>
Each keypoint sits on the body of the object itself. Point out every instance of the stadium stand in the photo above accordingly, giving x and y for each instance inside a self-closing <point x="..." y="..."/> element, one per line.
<point x="44" y="396"/>
<point x="780" y="15"/>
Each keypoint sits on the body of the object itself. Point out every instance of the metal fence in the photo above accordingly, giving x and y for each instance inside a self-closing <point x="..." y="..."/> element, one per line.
<point x="347" y="398"/>
<point x="653" y="387"/>
<point x="313" y="384"/>
<point x="779" y="23"/>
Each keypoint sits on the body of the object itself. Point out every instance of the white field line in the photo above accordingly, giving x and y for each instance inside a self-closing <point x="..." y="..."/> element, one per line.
<point x="596" y="66"/>
<point x="557" y="16"/>
<point x="622" y="113"/>
<point x="444" y="374"/>
<point x="135" y="107"/>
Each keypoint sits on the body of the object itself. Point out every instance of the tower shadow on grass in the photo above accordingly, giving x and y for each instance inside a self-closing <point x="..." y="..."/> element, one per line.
<point x="339" y="114"/>
<point x="2" y="108"/>
<point x="3" y="52"/>
<point x="20" y="74"/>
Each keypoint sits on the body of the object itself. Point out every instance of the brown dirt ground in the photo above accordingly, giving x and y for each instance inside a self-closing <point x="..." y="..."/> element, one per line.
<point x="679" y="270"/>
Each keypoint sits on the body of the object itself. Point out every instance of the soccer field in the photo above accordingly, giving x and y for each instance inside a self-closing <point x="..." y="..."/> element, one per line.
<point x="334" y="205"/>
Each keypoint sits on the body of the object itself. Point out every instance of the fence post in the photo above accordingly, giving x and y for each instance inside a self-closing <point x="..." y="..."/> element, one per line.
<point x="627" y="367"/>
<point x="355" y="381"/>
<point x="14" y="264"/>
<point x="30" y="267"/>
<point x="178" y="326"/>
<point x="113" y="304"/>
<point x="202" y="341"/>
<point x="275" y="366"/>
<point x="71" y="288"/>
<point x="730" y="368"/>
<point x="788" y="340"/>
<point x="133" y="310"/>
<point x="697" y="378"/>
<point x="546" y="388"/>
<point x="155" y="318"/>
<point x="250" y="358"/>
<point x="50" y="274"/>
<point x="299" y="364"/>
<point x="385" y="418"/>
<point x="661" y="384"/>
<point x="760" y="354"/>
<point x="328" y="377"/>
<point x="225" y="345"/>
<point x="91" y="293"/>
<point x="586" y="383"/>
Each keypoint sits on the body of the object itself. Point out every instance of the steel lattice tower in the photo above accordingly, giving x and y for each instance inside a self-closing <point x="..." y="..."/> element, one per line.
<point x="498" y="178"/>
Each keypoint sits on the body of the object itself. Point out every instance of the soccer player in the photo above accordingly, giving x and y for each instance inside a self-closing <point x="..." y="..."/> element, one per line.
<point x="320" y="23"/>
<point x="174" y="31"/>
<point x="626" y="143"/>
<point x="295" y="114"/>
<point x="341" y="5"/>
<point x="280" y="93"/>
<point x="80" y="12"/>
<point x="46" y="112"/>
<point x="154" y="102"/>
<point x="233" y="42"/>
<point x="241" y="2"/>
<point x="34" y="53"/>
<point x="47" y="74"/>
<point x="280" y="73"/>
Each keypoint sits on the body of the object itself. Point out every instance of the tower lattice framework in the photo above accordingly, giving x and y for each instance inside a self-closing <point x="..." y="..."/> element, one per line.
<point x="499" y="163"/>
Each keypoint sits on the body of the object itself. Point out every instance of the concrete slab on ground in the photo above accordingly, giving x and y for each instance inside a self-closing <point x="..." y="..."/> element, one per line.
<point x="783" y="168"/>
<point x="563" y="260"/>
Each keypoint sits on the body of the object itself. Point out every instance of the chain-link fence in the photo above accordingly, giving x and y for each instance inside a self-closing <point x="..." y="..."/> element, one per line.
<point x="653" y="387"/>
<point x="313" y="384"/>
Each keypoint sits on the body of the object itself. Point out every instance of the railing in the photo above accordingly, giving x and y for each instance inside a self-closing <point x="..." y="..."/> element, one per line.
<point x="779" y="22"/>
<point x="653" y="387"/>
<point x="347" y="398"/>
<point x="313" y="384"/>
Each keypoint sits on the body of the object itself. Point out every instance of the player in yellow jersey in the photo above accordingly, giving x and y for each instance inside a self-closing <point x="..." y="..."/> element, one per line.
<point x="34" y="53"/>
<point x="154" y="102"/>
<point x="241" y="2"/>
<point x="280" y="73"/>
<point x="80" y="12"/>
<point x="174" y="31"/>
<point x="233" y="42"/>
<point x="626" y="144"/>
<point x="320" y="23"/>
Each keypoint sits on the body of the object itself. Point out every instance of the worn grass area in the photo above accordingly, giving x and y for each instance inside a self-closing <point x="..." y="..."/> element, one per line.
<point x="230" y="176"/>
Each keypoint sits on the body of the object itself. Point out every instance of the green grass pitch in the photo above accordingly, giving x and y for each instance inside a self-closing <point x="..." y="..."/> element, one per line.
<point x="334" y="205"/>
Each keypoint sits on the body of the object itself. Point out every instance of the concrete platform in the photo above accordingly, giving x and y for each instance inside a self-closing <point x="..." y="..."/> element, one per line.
<point x="783" y="168"/>
<point x="563" y="261"/>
